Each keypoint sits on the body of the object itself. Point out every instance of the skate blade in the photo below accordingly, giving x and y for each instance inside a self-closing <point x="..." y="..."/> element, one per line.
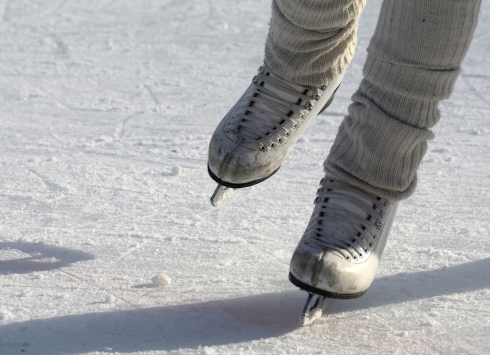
<point x="220" y="194"/>
<point x="315" y="306"/>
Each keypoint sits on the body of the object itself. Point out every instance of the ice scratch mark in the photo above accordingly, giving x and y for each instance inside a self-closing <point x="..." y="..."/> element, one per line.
<point x="473" y="89"/>
<point x="33" y="85"/>
<point x="120" y="129"/>
<point x="152" y="95"/>
<point x="61" y="47"/>
<point x="49" y="184"/>
<point x="115" y="189"/>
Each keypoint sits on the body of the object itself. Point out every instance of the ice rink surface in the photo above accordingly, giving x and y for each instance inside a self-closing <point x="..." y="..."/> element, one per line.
<point x="99" y="100"/>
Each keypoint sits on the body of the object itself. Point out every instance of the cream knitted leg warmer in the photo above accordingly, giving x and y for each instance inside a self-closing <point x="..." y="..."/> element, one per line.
<point x="311" y="42"/>
<point x="413" y="62"/>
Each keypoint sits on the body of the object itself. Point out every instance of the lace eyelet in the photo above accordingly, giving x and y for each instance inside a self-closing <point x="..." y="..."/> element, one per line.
<point x="255" y="79"/>
<point x="309" y="106"/>
<point x="323" y="87"/>
<point x="317" y="97"/>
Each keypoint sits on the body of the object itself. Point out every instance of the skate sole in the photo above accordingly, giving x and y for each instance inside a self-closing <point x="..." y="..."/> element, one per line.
<point x="238" y="186"/>
<point x="317" y="291"/>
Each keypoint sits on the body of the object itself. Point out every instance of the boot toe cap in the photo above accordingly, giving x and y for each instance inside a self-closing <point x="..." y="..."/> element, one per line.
<point x="235" y="163"/>
<point x="328" y="271"/>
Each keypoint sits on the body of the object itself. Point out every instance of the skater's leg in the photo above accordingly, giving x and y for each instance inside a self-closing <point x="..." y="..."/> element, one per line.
<point x="413" y="61"/>
<point x="309" y="45"/>
<point x="311" y="42"/>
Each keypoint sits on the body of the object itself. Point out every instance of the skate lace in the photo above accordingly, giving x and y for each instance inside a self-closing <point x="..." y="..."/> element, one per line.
<point x="333" y="227"/>
<point x="264" y="127"/>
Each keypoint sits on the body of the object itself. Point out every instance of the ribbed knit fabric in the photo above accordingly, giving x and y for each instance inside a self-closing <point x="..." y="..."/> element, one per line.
<point x="311" y="42"/>
<point x="413" y="62"/>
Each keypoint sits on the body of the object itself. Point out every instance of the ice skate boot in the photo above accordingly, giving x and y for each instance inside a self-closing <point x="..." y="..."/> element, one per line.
<point x="339" y="253"/>
<point x="254" y="138"/>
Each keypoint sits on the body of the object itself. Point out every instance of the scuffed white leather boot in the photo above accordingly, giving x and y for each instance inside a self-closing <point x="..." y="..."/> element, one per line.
<point x="340" y="250"/>
<point x="254" y="138"/>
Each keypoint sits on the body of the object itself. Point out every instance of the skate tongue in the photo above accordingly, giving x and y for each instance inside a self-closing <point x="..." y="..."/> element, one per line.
<point x="286" y="96"/>
<point x="280" y="93"/>
<point x="351" y="207"/>
<point x="273" y="91"/>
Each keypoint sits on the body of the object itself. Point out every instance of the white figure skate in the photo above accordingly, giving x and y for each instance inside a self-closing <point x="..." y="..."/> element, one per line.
<point x="255" y="137"/>
<point x="339" y="253"/>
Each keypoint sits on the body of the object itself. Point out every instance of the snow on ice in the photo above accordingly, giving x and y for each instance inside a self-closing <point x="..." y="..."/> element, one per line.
<point x="110" y="298"/>
<point x="161" y="280"/>
<point x="176" y="170"/>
